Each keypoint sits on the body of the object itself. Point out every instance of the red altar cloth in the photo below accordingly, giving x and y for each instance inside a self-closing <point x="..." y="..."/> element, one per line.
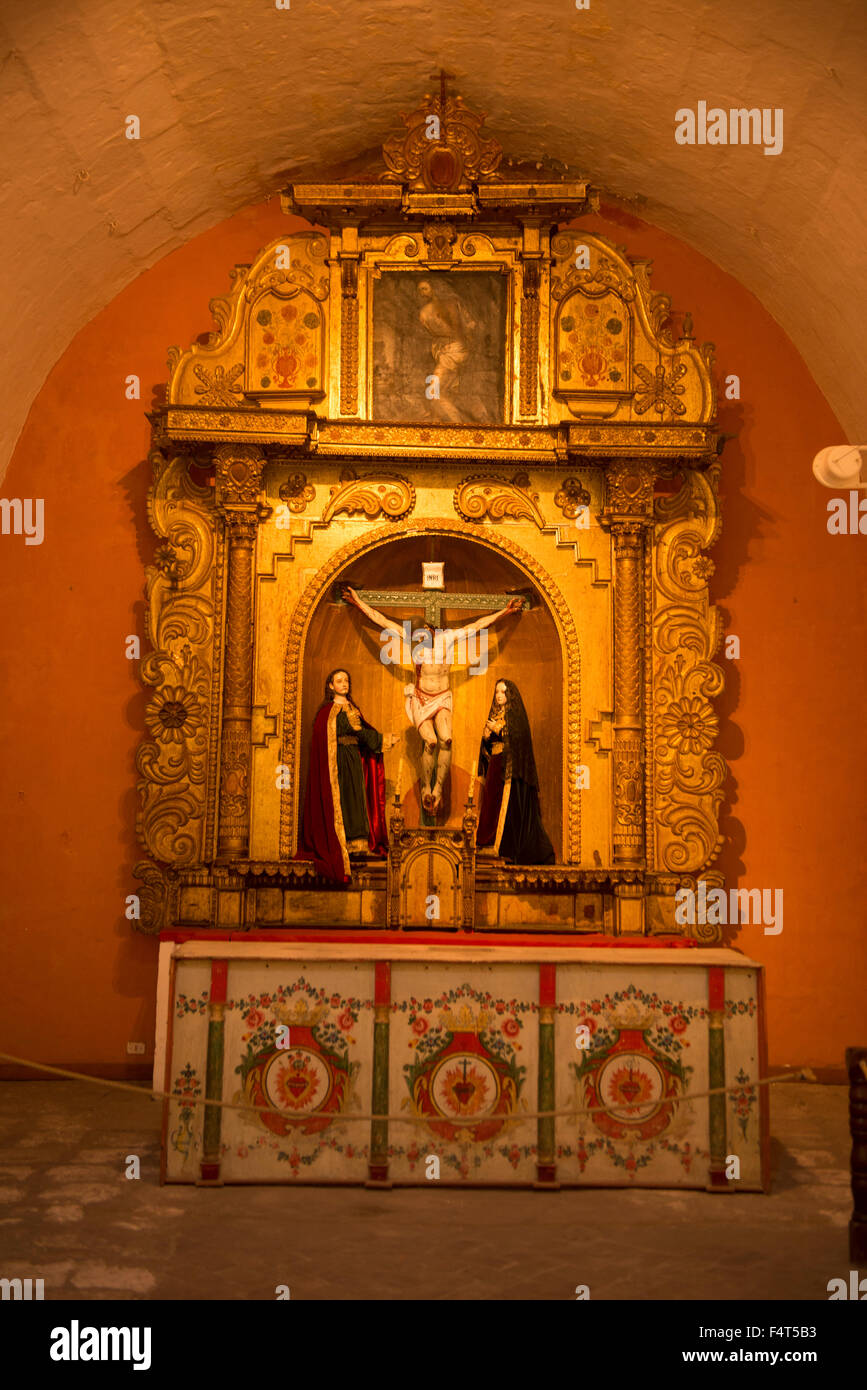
<point x="444" y="938"/>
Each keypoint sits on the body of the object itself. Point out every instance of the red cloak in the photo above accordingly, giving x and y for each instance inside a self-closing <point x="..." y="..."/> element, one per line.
<point x="320" y="836"/>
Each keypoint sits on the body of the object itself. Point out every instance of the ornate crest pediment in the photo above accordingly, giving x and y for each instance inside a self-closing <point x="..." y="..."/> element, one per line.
<point x="442" y="164"/>
<point x="442" y="149"/>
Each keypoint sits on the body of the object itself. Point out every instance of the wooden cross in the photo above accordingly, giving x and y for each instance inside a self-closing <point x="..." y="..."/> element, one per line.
<point x="433" y="602"/>
<point x="443" y="76"/>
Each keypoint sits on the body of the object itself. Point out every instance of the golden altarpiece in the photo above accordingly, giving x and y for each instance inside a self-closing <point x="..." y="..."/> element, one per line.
<point x="437" y="372"/>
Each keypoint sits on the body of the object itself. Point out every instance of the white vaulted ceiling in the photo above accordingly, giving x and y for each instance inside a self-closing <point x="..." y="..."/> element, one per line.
<point x="234" y="96"/>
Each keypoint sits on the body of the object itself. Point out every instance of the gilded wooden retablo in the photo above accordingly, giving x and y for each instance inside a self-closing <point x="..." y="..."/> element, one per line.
<point x="443" y="404"/>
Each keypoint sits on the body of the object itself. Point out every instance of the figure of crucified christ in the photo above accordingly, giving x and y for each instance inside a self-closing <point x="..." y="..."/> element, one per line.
<point x="429" y="700"/>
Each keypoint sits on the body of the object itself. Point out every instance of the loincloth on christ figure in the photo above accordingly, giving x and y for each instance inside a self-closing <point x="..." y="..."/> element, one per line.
<point x="420" y="706"/>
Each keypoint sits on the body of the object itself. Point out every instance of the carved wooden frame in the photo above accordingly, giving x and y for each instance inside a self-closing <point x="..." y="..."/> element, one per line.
<point x="406" y="253"/>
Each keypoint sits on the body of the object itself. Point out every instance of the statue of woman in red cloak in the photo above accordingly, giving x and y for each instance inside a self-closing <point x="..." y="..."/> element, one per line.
<point x="344" y="801"/>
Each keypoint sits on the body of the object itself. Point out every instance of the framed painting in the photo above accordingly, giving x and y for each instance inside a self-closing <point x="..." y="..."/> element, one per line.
<point x="439" y="347"/>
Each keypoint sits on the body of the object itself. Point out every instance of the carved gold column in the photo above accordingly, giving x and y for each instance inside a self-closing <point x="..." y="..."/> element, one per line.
<point x="239" y="484"/>
<point x="530" y="336"/>
<point x="349" y="335"/>
<point x="628" y="514"/>
<point x="628" y="539"/>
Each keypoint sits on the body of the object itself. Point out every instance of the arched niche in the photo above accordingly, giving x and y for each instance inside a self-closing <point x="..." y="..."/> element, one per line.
<point x="526" y="649"/>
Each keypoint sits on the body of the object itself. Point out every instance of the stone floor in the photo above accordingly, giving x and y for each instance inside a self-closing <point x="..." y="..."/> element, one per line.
<point x="69" y="1215"/>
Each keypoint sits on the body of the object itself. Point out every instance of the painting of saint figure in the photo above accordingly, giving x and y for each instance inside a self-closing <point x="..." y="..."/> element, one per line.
<point x="439" y="345"/>
<point x="344" y="800"/>
<point x="509" y="816"/>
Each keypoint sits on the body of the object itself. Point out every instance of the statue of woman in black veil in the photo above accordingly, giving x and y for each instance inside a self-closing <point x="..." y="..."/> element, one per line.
<point x="509" y="817"/>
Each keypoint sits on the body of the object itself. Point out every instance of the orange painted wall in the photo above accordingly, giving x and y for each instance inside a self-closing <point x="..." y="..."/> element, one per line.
<point x="78" y="983"/>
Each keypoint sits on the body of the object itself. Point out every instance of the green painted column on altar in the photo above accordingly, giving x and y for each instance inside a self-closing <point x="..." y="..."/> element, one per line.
<point x="716" y="1077"/>
<point x="212" y="1126"/>
<point x="378" y="1166"/>
<point x="546" y="1164"/>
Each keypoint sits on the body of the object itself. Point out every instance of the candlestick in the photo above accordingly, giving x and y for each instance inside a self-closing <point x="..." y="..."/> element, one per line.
<point x="473" y="778"/>
<point x="399" y="783"/>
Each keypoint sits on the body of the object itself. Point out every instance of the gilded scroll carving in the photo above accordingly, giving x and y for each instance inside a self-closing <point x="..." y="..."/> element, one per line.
<point x="307" y="254"/>
<point x="607" y="274"/>
<point x="482" y="495"/>
<point x="157" y="897"/>
<point x="172" y="763"/>
<point x="386" y="494"/>
<point x="689" y="774"/>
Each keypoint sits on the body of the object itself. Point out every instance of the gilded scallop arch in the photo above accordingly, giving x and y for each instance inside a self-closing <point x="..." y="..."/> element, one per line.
<point x="551" y="596"/>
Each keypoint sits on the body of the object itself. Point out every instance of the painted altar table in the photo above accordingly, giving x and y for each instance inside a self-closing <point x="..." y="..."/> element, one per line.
<point x="460" y="1046"/>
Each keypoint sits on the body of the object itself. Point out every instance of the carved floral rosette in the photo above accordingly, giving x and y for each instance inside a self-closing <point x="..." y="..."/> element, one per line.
<point x="686" y="631"/>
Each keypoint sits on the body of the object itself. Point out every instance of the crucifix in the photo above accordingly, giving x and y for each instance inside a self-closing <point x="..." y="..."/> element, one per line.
<point x="443" y="77"/>
<point x="431" y="651"/>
